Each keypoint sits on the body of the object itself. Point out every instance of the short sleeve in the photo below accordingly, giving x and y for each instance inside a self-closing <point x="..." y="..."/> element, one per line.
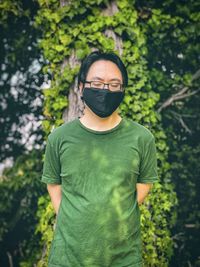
<point x="148" y="165"/>
<point x="51" y="166"/>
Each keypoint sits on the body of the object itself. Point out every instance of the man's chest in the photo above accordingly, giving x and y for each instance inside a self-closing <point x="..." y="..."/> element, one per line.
<point x="118" y="158"/>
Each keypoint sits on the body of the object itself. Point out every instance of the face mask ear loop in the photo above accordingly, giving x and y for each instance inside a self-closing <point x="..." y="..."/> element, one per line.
<point x="82" y="94"/>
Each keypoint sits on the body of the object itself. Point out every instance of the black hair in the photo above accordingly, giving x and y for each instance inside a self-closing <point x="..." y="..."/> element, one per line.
<point x="97" y="55"/>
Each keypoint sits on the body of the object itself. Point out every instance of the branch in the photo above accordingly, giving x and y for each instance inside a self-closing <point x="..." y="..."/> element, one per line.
<point x="190" y="225"/>
<point x="180" y="119"/>
<point x="10" y="259"/>
<point x="181" y="94"/>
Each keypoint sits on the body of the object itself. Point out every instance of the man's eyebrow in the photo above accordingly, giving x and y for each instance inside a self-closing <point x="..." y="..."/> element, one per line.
<point x="98" y="78"/>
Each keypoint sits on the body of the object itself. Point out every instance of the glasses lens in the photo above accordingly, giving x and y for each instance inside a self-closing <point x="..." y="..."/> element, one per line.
<point x="97" y="84"/>
<point x="111" y="86"/>
<point x="115" y="86"/>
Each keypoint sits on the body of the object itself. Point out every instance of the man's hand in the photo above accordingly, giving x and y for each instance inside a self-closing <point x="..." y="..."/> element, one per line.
<point x="142" y="191"/>
<point x="55" y="195"/>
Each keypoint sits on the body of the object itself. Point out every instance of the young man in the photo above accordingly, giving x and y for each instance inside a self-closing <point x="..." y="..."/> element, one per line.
<point x="98" y="169"/>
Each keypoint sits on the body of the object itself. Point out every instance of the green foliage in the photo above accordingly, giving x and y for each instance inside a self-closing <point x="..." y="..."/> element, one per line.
<point x="20" y="189"/>
<point x="21" y="76"/>
<point x="76" y="28"/>
<point x="172" y="30"/>
<point x="46" y="216"/>
<point x="8" y="7"/>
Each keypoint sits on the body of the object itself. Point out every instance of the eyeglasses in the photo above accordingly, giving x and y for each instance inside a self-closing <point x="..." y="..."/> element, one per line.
<point x="111" y="86"/>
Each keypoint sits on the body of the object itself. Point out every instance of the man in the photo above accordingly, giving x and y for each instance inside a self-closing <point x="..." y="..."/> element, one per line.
<point x="98" y="169"/>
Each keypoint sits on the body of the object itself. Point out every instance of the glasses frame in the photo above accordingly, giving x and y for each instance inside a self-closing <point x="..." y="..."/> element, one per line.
<point x="121" y="85"/>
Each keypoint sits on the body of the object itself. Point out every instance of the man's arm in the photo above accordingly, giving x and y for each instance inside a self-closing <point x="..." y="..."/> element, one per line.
<point x="142" y="191"/>
<point x="55" y="195"/>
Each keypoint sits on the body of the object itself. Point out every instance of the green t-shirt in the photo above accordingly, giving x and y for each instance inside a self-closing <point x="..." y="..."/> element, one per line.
<point x="98" y="222"/>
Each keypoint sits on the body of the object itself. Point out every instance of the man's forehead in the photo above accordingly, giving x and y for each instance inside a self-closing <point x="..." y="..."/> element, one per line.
<point x="101" y="70"/>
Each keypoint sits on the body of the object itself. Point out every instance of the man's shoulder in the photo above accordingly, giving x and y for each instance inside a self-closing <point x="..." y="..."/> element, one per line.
<point x="58" y="133"/>
<point x="141" y="130"/>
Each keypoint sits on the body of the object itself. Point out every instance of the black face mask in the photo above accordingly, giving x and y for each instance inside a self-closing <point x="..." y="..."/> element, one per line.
<point x="102" y="101"/>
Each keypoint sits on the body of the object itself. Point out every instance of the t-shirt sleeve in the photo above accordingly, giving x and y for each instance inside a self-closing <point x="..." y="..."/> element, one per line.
<point x="51" y="165"/>
<point x="148" y="165"/>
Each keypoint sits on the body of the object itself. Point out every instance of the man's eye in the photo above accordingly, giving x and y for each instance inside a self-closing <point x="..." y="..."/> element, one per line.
<point x="97" y="84"/>
<point x="114" y="84"/>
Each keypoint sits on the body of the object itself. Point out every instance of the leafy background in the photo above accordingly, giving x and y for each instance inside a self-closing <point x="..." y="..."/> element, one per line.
<point x="46" y="40"/>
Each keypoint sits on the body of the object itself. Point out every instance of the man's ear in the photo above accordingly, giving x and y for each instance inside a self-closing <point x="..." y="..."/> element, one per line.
<point x="81" y="89"/>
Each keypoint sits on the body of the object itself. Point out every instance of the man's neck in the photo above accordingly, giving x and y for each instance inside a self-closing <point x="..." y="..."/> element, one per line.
<point x="92" y="121"/>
